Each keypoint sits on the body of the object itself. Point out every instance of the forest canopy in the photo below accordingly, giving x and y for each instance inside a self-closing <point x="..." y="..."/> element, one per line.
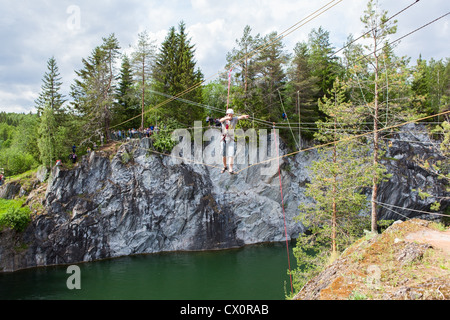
<point x="156" y="85"/>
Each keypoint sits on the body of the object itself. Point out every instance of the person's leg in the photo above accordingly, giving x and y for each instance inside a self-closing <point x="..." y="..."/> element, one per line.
<point x="223" y="150"/>
<point x="230" y="163"/>
<point x="231" y="154"/>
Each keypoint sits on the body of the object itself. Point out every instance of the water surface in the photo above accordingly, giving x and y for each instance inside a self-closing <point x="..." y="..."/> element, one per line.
<point x="257" y="272"/>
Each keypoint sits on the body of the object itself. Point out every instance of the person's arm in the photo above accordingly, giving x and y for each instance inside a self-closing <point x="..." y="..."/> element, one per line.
<point x="245" y="116"/>
<point x="225" y="119"/>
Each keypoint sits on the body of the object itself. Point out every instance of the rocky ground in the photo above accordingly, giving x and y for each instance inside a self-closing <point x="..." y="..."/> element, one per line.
<point x="409" y="261"/>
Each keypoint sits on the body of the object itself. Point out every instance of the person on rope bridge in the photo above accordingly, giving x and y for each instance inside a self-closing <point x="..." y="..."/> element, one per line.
<point x="227" y="145"/>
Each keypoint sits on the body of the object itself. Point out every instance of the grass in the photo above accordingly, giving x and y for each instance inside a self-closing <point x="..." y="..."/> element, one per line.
<point x="377" y="267"/>
<point x="394" y="275"/>
<point x="26" y="175"/>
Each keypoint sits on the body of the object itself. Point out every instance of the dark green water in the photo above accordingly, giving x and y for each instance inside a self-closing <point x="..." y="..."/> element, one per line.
<point x="256" y="272"/>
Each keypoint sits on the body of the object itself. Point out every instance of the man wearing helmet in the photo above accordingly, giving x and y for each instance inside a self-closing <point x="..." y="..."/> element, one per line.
<point x="227" y="145"/>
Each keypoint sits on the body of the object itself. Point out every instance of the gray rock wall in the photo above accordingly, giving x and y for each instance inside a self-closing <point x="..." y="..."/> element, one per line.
<point x="137" y="202"/>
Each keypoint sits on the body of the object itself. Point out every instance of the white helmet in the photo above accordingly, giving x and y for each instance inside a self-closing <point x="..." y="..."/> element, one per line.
<point x="230" y="111"/>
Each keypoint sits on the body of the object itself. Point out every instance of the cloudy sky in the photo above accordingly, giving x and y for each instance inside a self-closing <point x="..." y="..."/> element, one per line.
<point x="32" y="31"/>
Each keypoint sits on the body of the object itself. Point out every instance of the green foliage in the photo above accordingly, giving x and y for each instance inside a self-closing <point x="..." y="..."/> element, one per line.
<point x="24" y="138"/>
<point x="270" y="64"/>
<point x="302" y="91"/>
<point x="53" y="128"/>
<point x="162" y="140"/>
<point x="18" y="153"/>
<point x="333" y="219"/>
<point x="142" y="61"/>
<point x="93" y="91"/>
<point x="127" y="101"/>
<point x="13" y="215"/>
<point x="215" y="95"/>
<point x="444" y="129"/>
<point x="357" y="296"/>
<point x="175" y="73"/>
<point x="324" y="66"/>
<point x="126" y="157"/>
<point x="260" y="72"/>
<point x="51" y="85"/>
<point x="430" y="86"/>
<point x="6" y="135"/>
<point x="312" y="255"/>
<point x="384" y="224"/>
<point x="15" y="161"/>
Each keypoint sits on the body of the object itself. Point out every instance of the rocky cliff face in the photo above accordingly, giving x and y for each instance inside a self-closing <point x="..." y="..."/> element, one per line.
<point x="133" y="202"/>
<point x="408" y="154"/>
<point x="136" y="202"/>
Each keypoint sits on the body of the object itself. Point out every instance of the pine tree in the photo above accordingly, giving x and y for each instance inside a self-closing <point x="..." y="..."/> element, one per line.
<point x="303" y="90"/>
<point x="323" y="64"/>
<point x="431" y="86"/>
<point x="88" y="93"/>
<point x="333" y="220"/>
<point x="243" y="60"/>
<point x="355" y="71"/>
<point x="312" y="72"/>
<point x="50" y="90"/>
<point x="269" y="66"/>
<point x="259" y="75"/>
<point x="379" y="28"/>
<point x="142" y="62"/>
<point x="93" y="92"/>
<point x="47" y="141"/>
<point x="111" y="49"/>
<point x="52" y="131"/>
<point x="175" y="74"/>
<point x="127" y="101"/>
<point x="420" y="86"/>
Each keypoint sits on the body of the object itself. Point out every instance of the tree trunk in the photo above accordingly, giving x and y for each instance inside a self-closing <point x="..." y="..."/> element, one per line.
<point x="143" y="93"/>
<point x="375" y="149"/>
<point x="333" y="218"/>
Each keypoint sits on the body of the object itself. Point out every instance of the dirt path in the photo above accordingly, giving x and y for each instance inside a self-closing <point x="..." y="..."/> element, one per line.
<point x="438" y="239"/>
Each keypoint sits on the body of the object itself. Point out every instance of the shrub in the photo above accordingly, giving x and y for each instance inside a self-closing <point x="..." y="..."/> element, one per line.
<point x="16" y="162"/>
<point x="162" y="140"/>
<point x="13" y="216"/>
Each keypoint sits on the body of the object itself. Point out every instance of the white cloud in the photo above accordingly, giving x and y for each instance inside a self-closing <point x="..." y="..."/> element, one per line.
<point x="208" y="37"/>
<point x="18" y="98"/>
<point x="34" y="31"/>
<point x="202" y="5"/>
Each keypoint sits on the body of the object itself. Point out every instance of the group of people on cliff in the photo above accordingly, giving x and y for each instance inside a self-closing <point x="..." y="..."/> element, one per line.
<point x="227" y="143"/>
<point x="120" y="135"/>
